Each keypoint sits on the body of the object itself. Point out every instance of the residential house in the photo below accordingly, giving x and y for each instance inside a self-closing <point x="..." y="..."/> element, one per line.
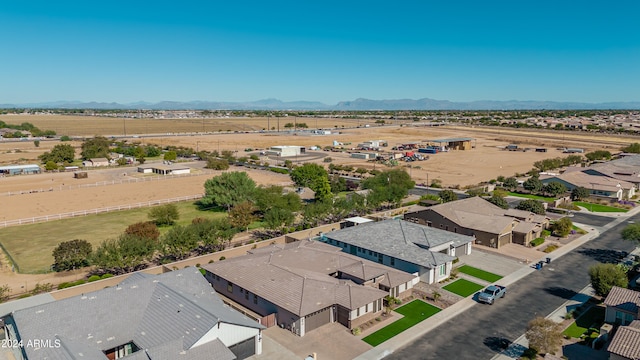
<point x="625" y="344"/>
<point x="625" y="168"/>
<point x="491" y="225"/>
<point x="403" y="245"/>
<point x="307" y="284"/>
<point x="602" y="186"/>
<point x="176" y="315"/>
<point x="95" y="162"/>
<point x="623" y="306"/>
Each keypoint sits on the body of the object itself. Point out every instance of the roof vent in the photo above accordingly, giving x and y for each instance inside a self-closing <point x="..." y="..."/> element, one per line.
<point x="111" y="338"/>
<point x="39" y="311"/>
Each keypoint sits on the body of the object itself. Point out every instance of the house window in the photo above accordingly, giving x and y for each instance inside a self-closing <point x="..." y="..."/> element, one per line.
<point x="443" y="270"/>
<point x="446" y="227"/>
<point x="429" y="224"/>
<point x="217" y="278"/>
<point x="246" y="295"/>
<point x="393" y="261"/>
<point x="255" y="298"/>
<point x="366" y="308"/>
<point x="455" y="229"/>
<point x="229" y="287"/>
<point x="357" y="312"/>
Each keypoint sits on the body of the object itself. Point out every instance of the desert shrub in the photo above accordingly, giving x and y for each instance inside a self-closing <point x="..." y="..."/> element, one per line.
<point x="106" y="276"/>
<point x="279" y="170"/>
<point x="93" y="278"/>
<point x="537" y="241"/>
<point x="222" y="258"/>
<point x="550" y="248"/>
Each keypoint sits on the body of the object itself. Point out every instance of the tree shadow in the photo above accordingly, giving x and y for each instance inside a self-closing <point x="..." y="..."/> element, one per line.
<point x="497" y="344"/>
<point x="604" y="255"/>
<point x="561" y="292"/>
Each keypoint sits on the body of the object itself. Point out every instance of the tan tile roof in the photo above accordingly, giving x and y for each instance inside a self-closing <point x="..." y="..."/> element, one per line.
<point x="579" y="178"/>
<point x="474" y="213"/>
<point x="297" y="276"/>
<point x="624" y="299"/>
<point x="626" y="341"/>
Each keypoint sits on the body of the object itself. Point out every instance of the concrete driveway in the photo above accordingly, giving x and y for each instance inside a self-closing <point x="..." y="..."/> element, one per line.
<point x="330" y="342"/>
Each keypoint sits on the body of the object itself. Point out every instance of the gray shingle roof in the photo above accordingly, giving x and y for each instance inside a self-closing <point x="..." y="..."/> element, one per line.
<point x="402" y="240"/>
<point x="624" y="299"/>
<point x="296" y="276"/>
<point x="626" y="341"/>
<point x="142" y="310"/>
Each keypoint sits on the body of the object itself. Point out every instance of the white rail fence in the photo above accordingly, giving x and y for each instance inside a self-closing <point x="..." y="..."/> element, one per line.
<point x="130" y="180"/>
<point x="45" y="218"/>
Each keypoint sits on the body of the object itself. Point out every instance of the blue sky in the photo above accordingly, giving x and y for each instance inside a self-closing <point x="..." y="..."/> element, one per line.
<point x="329" y="51"/>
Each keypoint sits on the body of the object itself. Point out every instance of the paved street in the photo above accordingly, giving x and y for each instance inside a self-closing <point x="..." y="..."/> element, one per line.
<point x="484" y="330"/>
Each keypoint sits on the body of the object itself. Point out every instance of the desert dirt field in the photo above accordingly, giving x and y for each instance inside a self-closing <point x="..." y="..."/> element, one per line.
<point x="59" y="192"/>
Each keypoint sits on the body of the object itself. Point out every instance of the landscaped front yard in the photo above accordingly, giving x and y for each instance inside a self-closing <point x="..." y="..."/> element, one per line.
<point x="530" y="196"/>
<point x="463" y="287"/>
<point x="599" y="207"/>
<point x="414" y="312"/>
<point x="593" y="318"/>
<point x="478" y="273"/>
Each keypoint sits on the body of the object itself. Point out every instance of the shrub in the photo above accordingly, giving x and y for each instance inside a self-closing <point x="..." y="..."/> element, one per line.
<point x="106" y="276"/>
<point x="93" y="278"/>
<point x="279" y="170"/>
<point x="222" y="258"/>
<point x="537" y="241"/>
<point x="356" y="331"/>
<point x="211" y="261"/>
<point x="550" y="248"/>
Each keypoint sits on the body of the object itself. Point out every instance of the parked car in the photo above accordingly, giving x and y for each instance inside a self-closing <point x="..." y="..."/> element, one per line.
<point x="491" y="293"/>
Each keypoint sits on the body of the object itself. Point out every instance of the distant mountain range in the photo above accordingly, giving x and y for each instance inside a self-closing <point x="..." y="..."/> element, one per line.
<point x="358" y="104"/>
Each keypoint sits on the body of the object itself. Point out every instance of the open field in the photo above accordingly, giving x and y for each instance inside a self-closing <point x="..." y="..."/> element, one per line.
<point x="414" y="312"/>
<point x="94" y="228"/>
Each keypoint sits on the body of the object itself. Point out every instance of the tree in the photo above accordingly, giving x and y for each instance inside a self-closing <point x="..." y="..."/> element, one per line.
<point x="276" y="218"/>
<point x="498" y="201"/>
<point x="579" y="193"/>
<point x="510" y="183"/>
<point x="308" y="174"/>
<point x="389" y="186"/>
<point x="61" y="153"/>
<point x="179" y="242"/>
<point x="36" y="143"/>
<point x="217" y="164"/>
<point x="598" y="155"/>
<point x="73" y="254"/>
<point x="145" y="229"/>
<point x="447" y="196"/>
<point x="98" y="147"/>
<point x="562" y="227"/>
<point x="532" y="205"/>
<point x="170" y="155"/>
<point x="554" y="188"/>
<point x="631" y="233"/>
<point x="50" y="166"/>
<point x="124" y="254"/>
<point x="271" y="197"/>
<point x="605" y="276"/>
<point x="164" y="214"/>
<point x="228" y="189"/>
<point x="241" y="215"/>
<point x="544" y="335"/>
<point x="632" y="148"/>
<point x="533" y="184"/>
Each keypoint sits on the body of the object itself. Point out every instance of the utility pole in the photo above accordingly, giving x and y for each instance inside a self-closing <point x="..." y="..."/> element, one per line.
<point x="268" y="122"/>
<point x="124" y="126"/>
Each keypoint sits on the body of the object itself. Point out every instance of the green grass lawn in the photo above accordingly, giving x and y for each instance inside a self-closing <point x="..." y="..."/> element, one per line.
<point x="599" y="208"/>
<point x="480" y="274"/>
<point x="414" y="312"/>
<point x="530" y="196"/>
<point x="31" y="246"/>
<point x="463" y="287"/>
<point x="594" y="317"/>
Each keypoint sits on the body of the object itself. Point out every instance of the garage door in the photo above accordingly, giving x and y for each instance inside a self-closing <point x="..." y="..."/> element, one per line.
<point x="317" y="319"/>
<point x="244" y="349"/>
